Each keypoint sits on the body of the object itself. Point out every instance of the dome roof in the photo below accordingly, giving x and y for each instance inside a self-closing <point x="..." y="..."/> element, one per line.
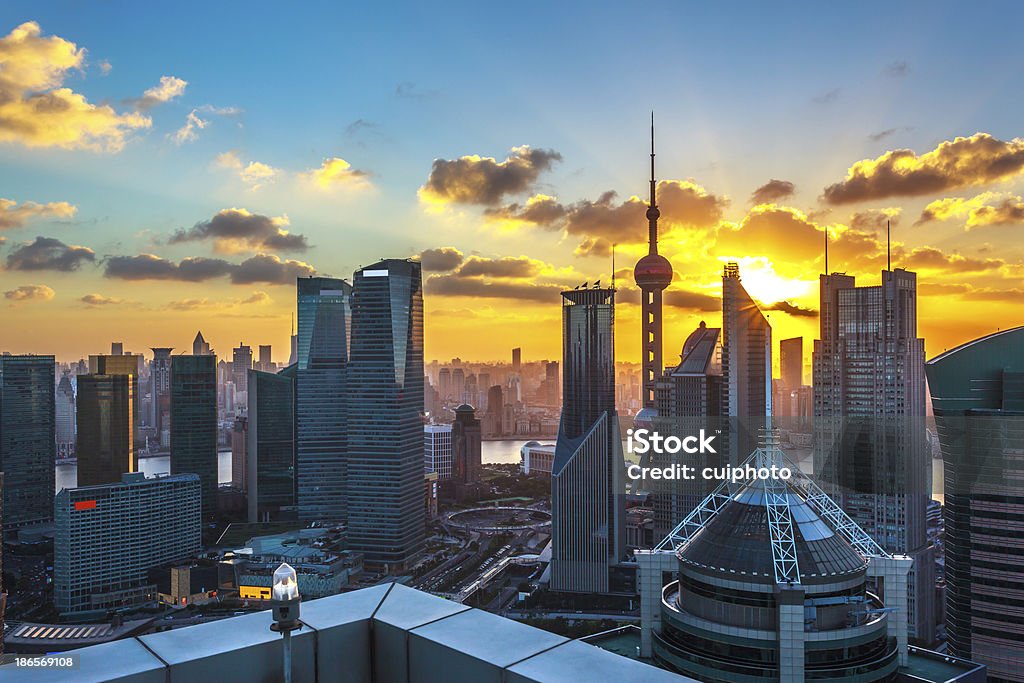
<point x="465" y="408"/>
<point x="738" y="540"/>
<point x="653" y="271"/>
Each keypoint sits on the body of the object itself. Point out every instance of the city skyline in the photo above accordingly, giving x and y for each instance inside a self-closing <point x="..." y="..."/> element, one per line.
<point x="264" y="167"/>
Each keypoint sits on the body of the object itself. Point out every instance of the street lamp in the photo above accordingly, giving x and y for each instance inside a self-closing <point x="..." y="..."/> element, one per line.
<point x="286" y="600"/>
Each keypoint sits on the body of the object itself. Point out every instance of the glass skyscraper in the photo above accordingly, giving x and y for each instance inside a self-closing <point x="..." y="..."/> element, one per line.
<point x="321" y="416"/>
<point x="270" y="452"/>
<point x="27" y="439"/>
<point x="978" y="397"/>
<point x="385" y="463"/>
<point x="588" y="473"/>
<point x="106" y="441"/>
<point x="194" y="424"/>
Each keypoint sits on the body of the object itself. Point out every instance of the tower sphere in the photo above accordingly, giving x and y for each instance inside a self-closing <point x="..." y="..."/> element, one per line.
<point x="653" y="272"/>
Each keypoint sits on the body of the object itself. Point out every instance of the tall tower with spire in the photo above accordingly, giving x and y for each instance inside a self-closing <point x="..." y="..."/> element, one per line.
<point x="653" y="273"/>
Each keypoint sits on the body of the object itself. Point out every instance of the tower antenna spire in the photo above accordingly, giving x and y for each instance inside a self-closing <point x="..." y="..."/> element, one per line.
<point x="888" y="244"/>
<point x="825" y="231"/>
<point x="613" y="265"/>
<point x="652" y="211"/>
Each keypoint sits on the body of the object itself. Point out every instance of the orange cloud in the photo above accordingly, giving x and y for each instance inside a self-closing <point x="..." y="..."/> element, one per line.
<point x="13" y="215"/>
<point x="36" y="111"/>
<point x="29" y="293"/>
<point x="988" y="208"/>
<point x="335" y="172"/>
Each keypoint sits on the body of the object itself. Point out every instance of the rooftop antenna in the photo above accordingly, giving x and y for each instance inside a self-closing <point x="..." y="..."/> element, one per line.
<point x="826" y="249"/>
<point x="888" y="245"/>
<point x="613" y="265"/>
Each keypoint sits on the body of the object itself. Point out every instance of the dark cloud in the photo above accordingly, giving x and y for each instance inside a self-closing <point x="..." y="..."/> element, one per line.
<point x="773" y="191"/>
<point x="770" y="229"/>
<point x="442" y="259"/>
<point x="47" y="253"/>
<point x="962" y="162"/>
<point x="269" y="269"/>
<point x="791" y="309"/>
<point x="506" y="267"/>
<point x="888" y="132"/>
<point x="930" y="257"/>
<point x="874" y="219"/>
<point x="692" y="300"/>
<point x="484" y="181"/>
<point x="827" y="97"/>
<point x="409" y="90"/>
<point x="358" y="126"/>
<point x="449" y="285"/>
<point x="540" y="210"/>
<point x="238" y="230"/>
<point x="98" y="300"/>
<point x="152" y="267"/>
<point x="897" y="69"/>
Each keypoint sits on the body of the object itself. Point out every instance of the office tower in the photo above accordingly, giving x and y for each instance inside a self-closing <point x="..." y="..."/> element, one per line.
<point x="110" y="535"/>
<point x="746" y="366"/>
<point x="322" y="407"/>
<point x="121" y="364"/>
<point x="64" y="411"/>
<point x="200" y="347"/>
<point x="653" y="273"/>
<point x="106" y="436"/>
<point x="116" y="348"/>
<point x="241" y="364"/>
<point x="458" y="384"/>
<point x="588" y="475"/>
<point x="466" y="452"/>
<point x="160" y="388"/>
<point x="27" y="443"/>
<point x="517" y="360"/>
<point x="239" y="446"/>
<point x="3" y="594"/>
<point x="270" y="449"/>
<point x="444" y="383"/>
<point x="791" y="362"/>
<point x="688" y="399"/>
<point x="772" y="584"/>
<point x="194" y="424"/>
<point x="385" y="493"/>
<point x="552" y="390"/>
<point x="977" y="394"/>
<point x="869" y="408"/>
<point x="265" y="363"/>
<point x="437" y="450"/>
<point x="495" y="409"/>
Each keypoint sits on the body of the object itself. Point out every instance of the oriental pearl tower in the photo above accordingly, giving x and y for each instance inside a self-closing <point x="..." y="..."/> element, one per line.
<point x="653" y="273"/>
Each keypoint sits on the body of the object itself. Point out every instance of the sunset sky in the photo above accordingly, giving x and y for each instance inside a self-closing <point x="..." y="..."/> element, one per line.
<point x="168" y="169"/>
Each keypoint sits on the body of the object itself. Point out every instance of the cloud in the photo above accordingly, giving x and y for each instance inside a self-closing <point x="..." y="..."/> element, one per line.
<point x="256" y="298"/>
<point x="335" y="172"/>
<point x="483" y="180"/>
<point x="963" y="162"/>
<point x="773" y="191"/>
<point x="13" y="215"/>
<point x="153" y="267"/>
<point x="37" y="111"/>
<point x="169" y="88"/>
<point x="450" y="285"/>
<point x="47" y="253"/>
<point x="827" y="97"/>
<point x="228" y="159"/>
<point x="105" y="67"/>
<point x="442" y="259"/>
<point x="270" y="269"/>
<point x="30" y="293"/>
<point x="987" y="208"/>
<point x="99" y="300"/>
<point x="196" y="304"/>
<point x="936" y="259"/>
<point x="768" y="228"/>
<point x="692" y="300"/>
<point x="409" y="90"/>
<point x="888" y="132"/>
<point x="791" y="309"/>
<point x="261" y="268"/>
<point x="237" y="230"/>
<point x="540" y="209"/>
<point x="190" y="131"/>
<point x="505" y="267"/>
<point x="358" y="126"/>
<point x="875" y="219"/>
<point x="1012" y="295"/>
<point x="257" y="174"/>
<point x="897" y="69"/>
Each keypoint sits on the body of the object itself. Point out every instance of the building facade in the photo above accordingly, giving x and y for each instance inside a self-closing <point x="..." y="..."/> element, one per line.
<point x="322" y="413"/>
<point x="270" y="446"/>
<point x="385" y="463"/>
<point x="160" y="390"/>
<point x="437" y="450"/>
<point x="106" y="436"/>
<point x="588" y="473"/>
<point x="109" y="536"/>
<point x="977" y="394"/>
<point x="194" y="424"/>
<point x="869" y="406"/>
<point x="65" y="411"/>
<point x="27" y="438"/>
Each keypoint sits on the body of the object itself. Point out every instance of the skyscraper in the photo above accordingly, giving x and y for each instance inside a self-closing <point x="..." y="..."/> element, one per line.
<point x="978" y="398"/>
<point x="160" y="388"/>
<point x="110" y="535"/>
<point x="322" y="407"/>
<point x="265" y="363"/>
<point x="270" y="448"/>
<point x="385" y="494"/>
<point x="122" y="364"/>
<point x="241" y="364"/>
<point x="200" y="347"/>
<point x="869" y="411"/>
<point x="517" y="360"/>
<point x="64" y="409"/>
<point x="746" y="365"/>
<point x="791" y="362"/>
<point x="588" y="473"/>
<point x="106" y="441"/>
<point x="653" y="273"/>
<point x="466" y="452"/>
<point x="194" y="423"/>
<point x="27" y="443"/>
<point x="437" y="451"/>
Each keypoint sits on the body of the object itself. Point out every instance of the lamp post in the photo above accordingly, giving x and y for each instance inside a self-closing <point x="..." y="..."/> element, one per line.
<point x="286" y="611"/>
